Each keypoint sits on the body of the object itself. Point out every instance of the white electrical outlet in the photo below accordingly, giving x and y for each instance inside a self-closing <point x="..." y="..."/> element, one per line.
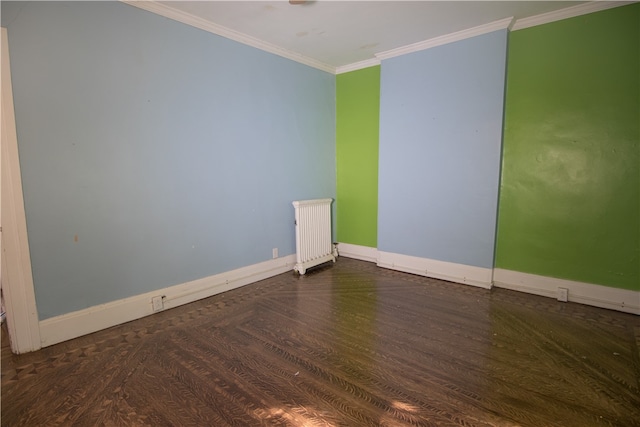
<point x="274" y="252"/>
<point x="157" y="303"/>
<point x="563" y="294"/>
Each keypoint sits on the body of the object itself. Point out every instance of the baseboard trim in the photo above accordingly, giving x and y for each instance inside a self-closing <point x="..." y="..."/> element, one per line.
<point x="453" y="272"/>
<point x="363" y="253"/>
<point x="624" y="300"/>
<point x="72" y="325"/>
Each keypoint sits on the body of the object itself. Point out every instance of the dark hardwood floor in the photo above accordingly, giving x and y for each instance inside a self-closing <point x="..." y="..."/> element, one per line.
<point x="348" y="344"/>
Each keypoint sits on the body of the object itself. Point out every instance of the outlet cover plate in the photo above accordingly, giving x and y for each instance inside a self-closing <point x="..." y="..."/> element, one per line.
<point x="563" y="294"/>
<point x="157" y="303"/>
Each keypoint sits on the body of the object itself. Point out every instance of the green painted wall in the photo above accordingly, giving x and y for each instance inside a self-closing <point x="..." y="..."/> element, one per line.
<point x="570" y="182"/>
<point x="357" y="120"/>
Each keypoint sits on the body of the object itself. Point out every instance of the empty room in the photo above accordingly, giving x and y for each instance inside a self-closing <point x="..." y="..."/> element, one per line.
<point x="320" y="213"/>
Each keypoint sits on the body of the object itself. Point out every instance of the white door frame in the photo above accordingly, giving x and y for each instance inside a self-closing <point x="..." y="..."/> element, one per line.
<point x="17" y="278"/>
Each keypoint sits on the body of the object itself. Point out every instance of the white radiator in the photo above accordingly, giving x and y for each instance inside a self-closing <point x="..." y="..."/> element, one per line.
<point x="313" y="233"/>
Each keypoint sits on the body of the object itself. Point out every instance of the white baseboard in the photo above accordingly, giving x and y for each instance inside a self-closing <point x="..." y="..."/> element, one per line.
<point x="624" y="300"/>
<point x="72" y="325"/>
<point x="93" y="319"/>
<point x="363" y="253"/>
<point x="459" y="273"/>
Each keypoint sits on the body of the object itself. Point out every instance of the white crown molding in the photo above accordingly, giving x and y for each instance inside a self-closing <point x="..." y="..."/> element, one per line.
<point x="203" y="24"/>
<point x="72" y="325"/>
<point x="569" y="12"/>
<point x="624" y="300"/>
<point x="447" y="38"/>
<point x="358" y="65"/>
<point x="507" y="23"/>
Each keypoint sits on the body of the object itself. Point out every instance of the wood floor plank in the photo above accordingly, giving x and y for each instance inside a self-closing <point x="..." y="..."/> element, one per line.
<point x="348" y="344"/>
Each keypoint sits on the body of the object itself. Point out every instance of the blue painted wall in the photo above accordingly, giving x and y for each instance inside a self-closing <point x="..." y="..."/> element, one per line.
<point x="171" y="153"/>
<point x="440" y="142"/>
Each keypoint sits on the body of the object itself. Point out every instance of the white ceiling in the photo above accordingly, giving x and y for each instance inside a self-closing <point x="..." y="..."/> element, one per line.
<point x="339" y="33"/>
